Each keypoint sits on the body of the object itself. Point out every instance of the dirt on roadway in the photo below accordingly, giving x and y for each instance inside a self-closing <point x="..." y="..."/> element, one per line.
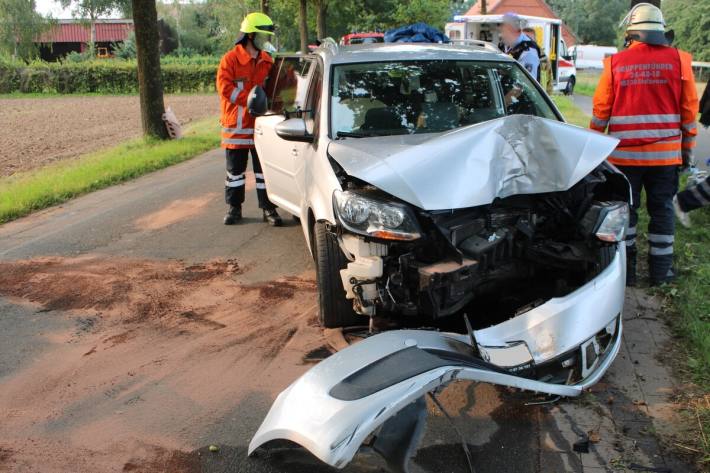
<point x="37" y="131"/>
<point x="139" y="323"/>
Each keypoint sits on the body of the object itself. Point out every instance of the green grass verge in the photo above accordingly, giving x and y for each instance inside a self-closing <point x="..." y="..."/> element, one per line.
<point x="687" y="305"/>
<point x="587" y="82"/>
<point x="689" y="297"/>
<point x="573" y="114"/>
<point x="23" y="193"/>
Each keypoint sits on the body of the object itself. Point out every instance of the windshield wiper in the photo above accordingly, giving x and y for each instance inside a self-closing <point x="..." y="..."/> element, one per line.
<point x="352" y="134"/>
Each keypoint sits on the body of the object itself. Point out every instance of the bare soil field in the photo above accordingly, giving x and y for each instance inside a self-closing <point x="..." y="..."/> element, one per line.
<point x="37" y="131"/>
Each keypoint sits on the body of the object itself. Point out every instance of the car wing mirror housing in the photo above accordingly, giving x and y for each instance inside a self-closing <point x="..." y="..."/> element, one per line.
<point x="257" y="102"/>
<point x="293" y="129"/>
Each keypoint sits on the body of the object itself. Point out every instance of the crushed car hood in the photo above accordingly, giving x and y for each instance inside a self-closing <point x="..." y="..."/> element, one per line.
<point x="472" y="166"/>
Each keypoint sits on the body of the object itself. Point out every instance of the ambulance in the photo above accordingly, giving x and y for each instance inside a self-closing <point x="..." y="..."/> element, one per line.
<point x="476" y="28"/>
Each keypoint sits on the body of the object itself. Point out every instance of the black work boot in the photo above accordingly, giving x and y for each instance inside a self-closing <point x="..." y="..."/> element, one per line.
<point x="631" y="270"/>
<point x="271" y="216"/>
<point x="234" y="215"/>
<point x="668" y="278"/>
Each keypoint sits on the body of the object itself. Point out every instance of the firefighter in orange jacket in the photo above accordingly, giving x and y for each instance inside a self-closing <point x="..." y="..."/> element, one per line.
<point x="646" y="97"/>
<point x="246" y="65"/>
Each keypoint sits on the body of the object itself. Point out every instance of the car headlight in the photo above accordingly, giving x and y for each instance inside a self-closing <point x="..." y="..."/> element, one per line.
<point x="608" y="221"/>
<point x="368" y="216"/>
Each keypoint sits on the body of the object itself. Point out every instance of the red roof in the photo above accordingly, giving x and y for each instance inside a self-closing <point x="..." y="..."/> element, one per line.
<point x="523" y="7"/>
<point x="72" y="31"/>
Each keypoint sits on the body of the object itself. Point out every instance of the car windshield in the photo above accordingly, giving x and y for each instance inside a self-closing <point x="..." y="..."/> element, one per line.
<point x="397" y="98"/>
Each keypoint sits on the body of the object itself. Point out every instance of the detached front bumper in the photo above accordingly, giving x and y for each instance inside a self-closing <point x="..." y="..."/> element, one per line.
<point x="336" y="405"/>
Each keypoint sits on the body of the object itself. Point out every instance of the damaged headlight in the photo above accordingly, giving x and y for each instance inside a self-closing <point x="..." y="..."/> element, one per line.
<point x="608" y="221"/>
<point x="368" y="216"/>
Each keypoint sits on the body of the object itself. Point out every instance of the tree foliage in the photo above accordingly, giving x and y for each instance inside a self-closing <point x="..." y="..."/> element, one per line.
<point x="210" y="26"/>
<point x="20" y="25"/>
<point x="336" y="18"/>
<point x="94" y="9"/>
<point x="690" y="20"/>
<point x="594" y="21"/>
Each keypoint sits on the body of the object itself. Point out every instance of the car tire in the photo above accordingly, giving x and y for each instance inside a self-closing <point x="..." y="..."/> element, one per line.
<point x="335" y="310"/>
<point x="569" y="90"/>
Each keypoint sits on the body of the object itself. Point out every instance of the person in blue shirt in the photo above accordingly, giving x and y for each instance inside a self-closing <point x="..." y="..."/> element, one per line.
<point x="519" y="45"/>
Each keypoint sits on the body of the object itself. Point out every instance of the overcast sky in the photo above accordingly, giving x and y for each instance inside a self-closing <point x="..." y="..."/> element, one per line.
<point x="52" y="7"/>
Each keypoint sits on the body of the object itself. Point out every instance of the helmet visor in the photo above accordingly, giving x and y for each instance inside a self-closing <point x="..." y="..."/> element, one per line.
<point x="266" y="29"/>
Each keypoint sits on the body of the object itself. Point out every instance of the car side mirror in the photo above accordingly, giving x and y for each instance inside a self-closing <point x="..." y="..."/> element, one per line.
<point x="293" y="129"/>
<point x="257" y="102"/>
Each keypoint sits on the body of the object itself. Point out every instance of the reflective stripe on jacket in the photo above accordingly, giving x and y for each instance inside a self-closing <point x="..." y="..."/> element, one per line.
<point x="238" y="72"/>
<point x="647" y="98"/>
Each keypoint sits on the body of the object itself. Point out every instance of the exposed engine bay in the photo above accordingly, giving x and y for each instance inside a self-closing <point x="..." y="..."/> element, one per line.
<point x="493" y="262"/>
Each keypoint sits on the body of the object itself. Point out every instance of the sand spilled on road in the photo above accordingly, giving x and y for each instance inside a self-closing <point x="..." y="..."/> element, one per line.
<point x="177" y="211"/>
<point x="158" y="351"/>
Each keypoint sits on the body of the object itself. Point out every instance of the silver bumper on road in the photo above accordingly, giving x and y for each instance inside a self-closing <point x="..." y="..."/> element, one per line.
<point x="336" y="405"/>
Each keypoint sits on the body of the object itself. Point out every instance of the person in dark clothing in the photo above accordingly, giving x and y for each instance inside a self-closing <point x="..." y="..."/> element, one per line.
<point x="692" y="198"/>
<point x="698" y="195"/>
<point x="705" y="107"/>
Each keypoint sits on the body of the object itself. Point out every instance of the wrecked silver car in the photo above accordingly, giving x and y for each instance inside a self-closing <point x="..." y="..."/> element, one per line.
<point x="438" y="186"/>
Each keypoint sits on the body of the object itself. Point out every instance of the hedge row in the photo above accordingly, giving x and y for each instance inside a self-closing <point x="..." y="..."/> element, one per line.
<point x="106" y="77"/>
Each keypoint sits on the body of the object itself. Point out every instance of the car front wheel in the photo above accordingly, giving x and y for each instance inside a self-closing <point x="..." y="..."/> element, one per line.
<point x="335" y="310"/>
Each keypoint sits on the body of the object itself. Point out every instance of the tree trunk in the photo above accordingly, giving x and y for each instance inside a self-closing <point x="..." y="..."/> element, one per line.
<point x="303" y="25"/>
<point x="265" y="7"/>
<point x="92" y="37"/>
<point x="653" y="2"/>
<point x="321" y="16"/>
<point x="150" y="84"/>
<point x="484" y="7"/>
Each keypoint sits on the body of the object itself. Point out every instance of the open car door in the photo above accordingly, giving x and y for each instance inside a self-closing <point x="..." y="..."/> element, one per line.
<point x="286" y="90"/>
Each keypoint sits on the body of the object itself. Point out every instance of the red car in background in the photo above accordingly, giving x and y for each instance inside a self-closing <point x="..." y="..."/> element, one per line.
<point x="362" y="38"/>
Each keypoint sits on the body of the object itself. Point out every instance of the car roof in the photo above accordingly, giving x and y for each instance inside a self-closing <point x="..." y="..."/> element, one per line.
<point x="383" y="52"/>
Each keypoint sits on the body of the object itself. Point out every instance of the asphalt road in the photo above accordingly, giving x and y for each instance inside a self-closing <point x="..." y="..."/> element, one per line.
<point x="136" y="331"/>
<point x="702" y="151"/>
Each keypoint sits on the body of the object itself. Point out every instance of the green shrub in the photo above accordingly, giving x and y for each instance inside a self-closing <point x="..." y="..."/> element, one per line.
<point x="101" y="76"/>
<point x="127" y="48"/>
<point x="75" y="56"/>
<point x="9" y="75"/>
<point x="187" y="56"/>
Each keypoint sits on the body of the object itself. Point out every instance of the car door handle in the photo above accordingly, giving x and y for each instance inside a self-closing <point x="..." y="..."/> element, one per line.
<point x="258" y="131"/>
<point x="294" y="152"/>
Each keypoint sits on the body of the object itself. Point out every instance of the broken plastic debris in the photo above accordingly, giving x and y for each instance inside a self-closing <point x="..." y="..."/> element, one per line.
<point x="594" y="436"/>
